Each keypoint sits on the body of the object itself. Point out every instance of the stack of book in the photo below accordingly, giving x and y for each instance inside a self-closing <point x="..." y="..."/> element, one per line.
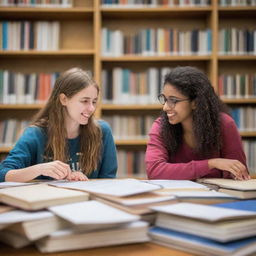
<point x="63" y="215"/>
<point x="59" y="219"/>
<point x="224" y="229"/>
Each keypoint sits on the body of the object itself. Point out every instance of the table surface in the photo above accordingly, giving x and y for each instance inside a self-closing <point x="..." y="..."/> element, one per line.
<point x="144" y="249"/>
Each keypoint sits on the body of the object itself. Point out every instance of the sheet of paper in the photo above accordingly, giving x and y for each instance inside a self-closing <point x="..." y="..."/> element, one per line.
<point x="92" y="212"/>
<point x="113" y="187"/>
<point x="20" y="216"/>
<point x="177" y="184"/>
<point x="196" y="194"/>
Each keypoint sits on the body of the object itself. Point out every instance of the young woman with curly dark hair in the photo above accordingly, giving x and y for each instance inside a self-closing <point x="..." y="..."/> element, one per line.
<point x="194" y="137"/>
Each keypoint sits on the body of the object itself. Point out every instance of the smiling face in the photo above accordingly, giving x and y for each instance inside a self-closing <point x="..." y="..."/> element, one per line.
<point x="80" y="107"/>
<point x="182" y="111"/>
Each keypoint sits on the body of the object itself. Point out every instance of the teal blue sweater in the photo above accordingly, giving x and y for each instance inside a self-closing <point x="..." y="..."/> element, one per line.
<point x="29" y="150"/>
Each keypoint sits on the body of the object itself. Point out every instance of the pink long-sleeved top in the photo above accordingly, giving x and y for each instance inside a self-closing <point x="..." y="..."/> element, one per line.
<point x="186" y="164"/>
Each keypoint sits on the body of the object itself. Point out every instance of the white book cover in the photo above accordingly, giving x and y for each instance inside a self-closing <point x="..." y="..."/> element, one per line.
<point x="8" y="184"/>
<point x="178" y="184"/>
<point x="114" y="187"/>
<point x="17" y="216"/>
<point x="92" y="213"/>
<point x="203" y="212"/>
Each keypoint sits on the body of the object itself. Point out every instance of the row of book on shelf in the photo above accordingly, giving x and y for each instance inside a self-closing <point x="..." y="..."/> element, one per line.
<point x="38" y="3"/>
<point x="233" y="41"/>
<point x="30" y="35"/>
<point x="156" y="41"/>
<point x="127" y="3"/>
<point x="130" y="126"/>
<point x="119" y="86"/>
<point x="123" y="128"/>
<point x="174" y="3"/>
<point x="21" y="88"/>
<point x="237" y="2"/>
<point x="250" y="152"/>
<point x="125" y="86"/>
<point x="245" y="118"/>
<point x="45" y="35"/>
<point x="154" y="3"/>
<point x="173" y="41"/>
<point x="237" y="85"/>
<point x="189" y="216"/>
<point x="131" y="162"/>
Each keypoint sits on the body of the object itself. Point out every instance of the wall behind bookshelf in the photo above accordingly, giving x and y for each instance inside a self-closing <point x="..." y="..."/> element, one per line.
<point x="81" y="45"/>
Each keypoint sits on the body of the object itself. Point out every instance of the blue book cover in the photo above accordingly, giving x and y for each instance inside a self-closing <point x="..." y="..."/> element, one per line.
<point x="199" y="241"/>
<point x="126" y="81"/>
<point x="5" y="35"/>
<point x="246" y="205"/>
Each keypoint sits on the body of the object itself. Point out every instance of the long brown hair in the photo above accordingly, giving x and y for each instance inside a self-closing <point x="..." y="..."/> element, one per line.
<point x="52" y="118"/>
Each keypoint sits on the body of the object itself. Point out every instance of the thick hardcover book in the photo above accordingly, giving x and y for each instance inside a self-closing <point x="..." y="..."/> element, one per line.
<point x="217" y="223"/>
<point x="40" y="196"/>
<point x="67" y="240"/>
<point x="243" y="189"/>
<point x="202" y="246"/>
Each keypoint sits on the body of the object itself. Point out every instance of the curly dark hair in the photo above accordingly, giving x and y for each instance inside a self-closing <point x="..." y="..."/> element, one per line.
<point x="196" y="86"/>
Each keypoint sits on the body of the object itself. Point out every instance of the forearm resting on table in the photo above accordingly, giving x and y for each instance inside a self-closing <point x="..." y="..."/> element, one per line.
<point x="22" y="175"/>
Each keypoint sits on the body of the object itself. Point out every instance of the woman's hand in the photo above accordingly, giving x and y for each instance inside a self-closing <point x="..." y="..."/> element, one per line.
<point x="78" y="176"/>
<point x="235" y="167"/>
<point x="55" y="169"/>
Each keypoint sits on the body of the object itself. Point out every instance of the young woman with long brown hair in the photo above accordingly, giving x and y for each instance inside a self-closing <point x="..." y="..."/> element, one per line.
<point x="64" y="140"/>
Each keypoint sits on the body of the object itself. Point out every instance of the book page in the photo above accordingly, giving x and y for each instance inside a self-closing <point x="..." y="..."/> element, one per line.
<point x="20" y="216"/>
<point x="114" y="187"/>
<point x="197" y="194"/>
<point x="178" y="185"/>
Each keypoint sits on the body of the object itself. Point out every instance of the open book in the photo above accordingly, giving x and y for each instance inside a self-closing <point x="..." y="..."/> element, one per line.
<point x="240" y="188"/>
<point x="220" y="224"/>
<point x="39" y="196"/>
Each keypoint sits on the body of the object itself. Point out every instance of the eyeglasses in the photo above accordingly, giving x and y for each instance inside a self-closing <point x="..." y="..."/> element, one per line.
<point x="171" y="102"/>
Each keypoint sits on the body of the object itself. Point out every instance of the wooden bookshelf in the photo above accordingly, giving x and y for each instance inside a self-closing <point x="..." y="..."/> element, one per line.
<point x="80" y="45"/>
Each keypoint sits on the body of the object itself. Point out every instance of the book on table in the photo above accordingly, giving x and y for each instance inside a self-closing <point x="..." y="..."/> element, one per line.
<point x="177" y="185"/>
<point x="70" y="239"/>
<point x="5" y="208"/>
<point x="13" y="239"/>
<point x="200" y="196"/>
<point x="111" y="187"/>
<point x="200" y="245"/>
<point x="243" y="189"/>
<point x="39" y="196"/>
<point x="32" y="224"/>
<point x="217" y="223"/>
<point x="136" y="204"/>
<point x="92" y="215"/>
